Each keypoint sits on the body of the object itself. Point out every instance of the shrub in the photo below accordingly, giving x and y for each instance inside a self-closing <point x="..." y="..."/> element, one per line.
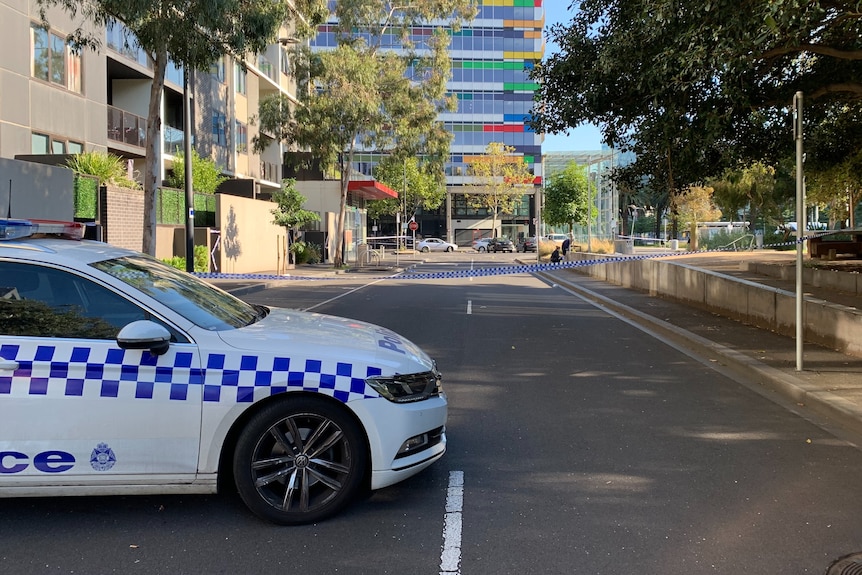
<point x="201" y="260"/>
<point x="206" y="175"/>
<point x="108" y="168"/>
<point x="305" y="253"/>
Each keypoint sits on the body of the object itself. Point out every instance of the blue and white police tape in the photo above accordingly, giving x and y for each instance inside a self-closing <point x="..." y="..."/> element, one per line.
<point x="491" y="271"/>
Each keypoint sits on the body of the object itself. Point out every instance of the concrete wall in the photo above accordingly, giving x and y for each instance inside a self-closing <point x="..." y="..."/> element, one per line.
<point x="847" y="282"/>
<point x="250" y="242"/>
<point x="37" y="191"/>
<point x="831" y="325"/>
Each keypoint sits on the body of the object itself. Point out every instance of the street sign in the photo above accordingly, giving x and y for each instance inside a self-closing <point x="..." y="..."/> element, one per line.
<point x="413" y="226"/>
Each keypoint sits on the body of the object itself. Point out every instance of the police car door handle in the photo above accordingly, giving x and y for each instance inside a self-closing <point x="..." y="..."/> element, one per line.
<point x="8" y="365"/>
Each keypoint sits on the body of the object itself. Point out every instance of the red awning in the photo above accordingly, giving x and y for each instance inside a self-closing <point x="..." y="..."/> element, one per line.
<point x="370" y="190"/>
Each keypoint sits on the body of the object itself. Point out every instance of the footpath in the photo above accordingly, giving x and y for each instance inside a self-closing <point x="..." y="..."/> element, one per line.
<point x="827" y="390"/>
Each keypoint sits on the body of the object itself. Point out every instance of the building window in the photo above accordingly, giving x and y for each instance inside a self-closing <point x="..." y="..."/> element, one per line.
<point x="239" y="78"/>
<point x="53" y="60"/>
<point x="217" y="69"/>
<point x="39" y="143"/>
<point x="241" y="137"/>
<point x="285" y="62"/>
<point x="44" y="144"/>
<point x="219" y="129"/>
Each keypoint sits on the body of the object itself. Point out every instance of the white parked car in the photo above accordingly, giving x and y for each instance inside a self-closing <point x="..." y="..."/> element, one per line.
<point x="481" y="245"/>
<point x="557" y="239"/>
<point x="435" y="245"/>
<point x="122" y="375"/>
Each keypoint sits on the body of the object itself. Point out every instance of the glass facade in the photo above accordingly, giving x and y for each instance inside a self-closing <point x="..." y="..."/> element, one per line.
<point x="492" y="57"/>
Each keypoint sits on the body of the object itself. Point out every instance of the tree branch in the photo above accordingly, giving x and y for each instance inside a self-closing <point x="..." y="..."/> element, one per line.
<point x="814" y="49"/>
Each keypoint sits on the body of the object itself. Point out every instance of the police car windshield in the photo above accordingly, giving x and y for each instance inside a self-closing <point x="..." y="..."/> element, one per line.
<point x="192" y="298"/>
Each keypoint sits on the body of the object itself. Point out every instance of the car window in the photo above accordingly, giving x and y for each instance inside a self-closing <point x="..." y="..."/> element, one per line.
<point x="190" y="297"/>
<point x="39" y="301"/>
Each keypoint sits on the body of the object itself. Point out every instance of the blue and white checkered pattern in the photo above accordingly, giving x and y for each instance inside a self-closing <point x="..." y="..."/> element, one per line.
<point x="248" y="378"/>
<point x="106" y="371"/>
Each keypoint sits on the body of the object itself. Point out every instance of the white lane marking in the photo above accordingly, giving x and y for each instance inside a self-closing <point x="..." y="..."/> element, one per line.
<point x="450" y="558"/>
<point x="469" y="307"/>
<point x="350" y="291"/>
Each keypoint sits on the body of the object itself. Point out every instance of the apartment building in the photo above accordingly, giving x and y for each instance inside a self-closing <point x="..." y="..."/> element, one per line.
<point x="54" y="102"/>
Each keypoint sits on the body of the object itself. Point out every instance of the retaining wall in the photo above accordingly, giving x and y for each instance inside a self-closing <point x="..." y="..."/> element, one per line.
<point x="828" y="324"/>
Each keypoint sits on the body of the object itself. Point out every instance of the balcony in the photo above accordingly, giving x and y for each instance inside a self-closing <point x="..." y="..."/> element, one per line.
<point x="266" y="68"/>
<point x="174" y="139"/>
<point x="126" y="128"/>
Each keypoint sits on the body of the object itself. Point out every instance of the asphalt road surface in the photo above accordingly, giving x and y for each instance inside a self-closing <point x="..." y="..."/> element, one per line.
<point x="577" y="445"/>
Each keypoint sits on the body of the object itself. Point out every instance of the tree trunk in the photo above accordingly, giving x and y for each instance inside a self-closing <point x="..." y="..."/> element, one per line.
<point x="152" y="170"/>
<point x="346" y="170"/>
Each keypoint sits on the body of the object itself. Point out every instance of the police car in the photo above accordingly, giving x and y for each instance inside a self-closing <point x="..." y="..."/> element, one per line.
<point x="122" y="375"/>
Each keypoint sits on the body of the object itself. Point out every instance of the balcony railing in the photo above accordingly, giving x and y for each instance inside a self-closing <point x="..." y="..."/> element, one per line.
<point x="265" y="66"/>
<point x="270" y="171"/>
<point x="174" y="139"/>
<point x="126" y="127"/>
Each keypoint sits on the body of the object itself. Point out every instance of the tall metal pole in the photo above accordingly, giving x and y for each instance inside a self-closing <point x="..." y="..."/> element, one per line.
<point x="800" y="227"/>
<point x="187" y="158"/>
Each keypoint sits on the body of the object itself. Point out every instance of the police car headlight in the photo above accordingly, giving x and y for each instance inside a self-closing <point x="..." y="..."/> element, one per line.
<point x="407" y="388"/>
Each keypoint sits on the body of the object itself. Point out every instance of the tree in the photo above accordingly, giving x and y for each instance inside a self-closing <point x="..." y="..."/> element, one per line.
<point x="365" y="95"/>
<point x="419" y="188"/>
<point x="193" y="34"/>
<point x="567" y="196"/>
<point x="695" y="206"/>
<point x="289" y="214"/>
<point x="701" y="85"/>
<point x="500" y="179"/>
<point x="753" y="188"/>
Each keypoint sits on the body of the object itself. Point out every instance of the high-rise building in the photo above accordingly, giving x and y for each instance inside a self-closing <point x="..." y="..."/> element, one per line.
<point x="492" y="57"/>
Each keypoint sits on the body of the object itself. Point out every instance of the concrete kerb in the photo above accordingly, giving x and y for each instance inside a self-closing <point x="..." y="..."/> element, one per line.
<point x="826" y="323"/>
<point x="755" y="375"/>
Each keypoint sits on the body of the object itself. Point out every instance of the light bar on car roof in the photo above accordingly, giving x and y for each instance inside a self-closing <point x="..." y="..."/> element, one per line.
<point x="16" y="229"/>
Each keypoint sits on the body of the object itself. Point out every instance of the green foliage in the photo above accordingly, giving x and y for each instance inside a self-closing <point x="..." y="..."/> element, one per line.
<point x="86" y="190"/>
<point x="567" y="196"/>
<point x="290" y="213"/>
<point x="696" y="87"/>
<point x="725" y="239"/>
<point x="107" y="168"/>
<point x="306" y="253"/>
<point x="206" y="175"/>
<point x="201" y="264"/>
<point x="417" y="188"/>
<point x="171" y="208"/>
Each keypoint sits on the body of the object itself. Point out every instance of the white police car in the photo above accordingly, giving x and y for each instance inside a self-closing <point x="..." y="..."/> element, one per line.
<point x="122" y="375"/>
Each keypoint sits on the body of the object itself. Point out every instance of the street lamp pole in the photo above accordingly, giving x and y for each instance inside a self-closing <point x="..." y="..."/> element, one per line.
<point x="187" y="159"/>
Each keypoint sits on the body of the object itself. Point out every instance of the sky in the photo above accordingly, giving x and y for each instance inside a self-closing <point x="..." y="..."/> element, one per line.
<point x="585" y="137"/>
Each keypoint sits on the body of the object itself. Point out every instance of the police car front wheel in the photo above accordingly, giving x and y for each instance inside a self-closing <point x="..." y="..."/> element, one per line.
<point x="299" y="461"/>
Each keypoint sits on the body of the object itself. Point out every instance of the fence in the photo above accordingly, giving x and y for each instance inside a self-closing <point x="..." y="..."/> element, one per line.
<point x="170" y="204"/>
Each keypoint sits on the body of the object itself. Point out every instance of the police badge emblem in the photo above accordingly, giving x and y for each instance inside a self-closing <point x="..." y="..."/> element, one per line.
<point x="102" y="458"/>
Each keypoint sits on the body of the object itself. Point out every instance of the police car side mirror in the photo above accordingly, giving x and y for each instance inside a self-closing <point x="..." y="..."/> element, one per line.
<point x="145" y="334"/>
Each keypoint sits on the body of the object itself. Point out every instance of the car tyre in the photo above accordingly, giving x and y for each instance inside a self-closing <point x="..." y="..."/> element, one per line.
<point x="449" y="248"/>
<point x="299" y="461"/>
<point x="425" y="249"/>
<point x="481" y="249"/>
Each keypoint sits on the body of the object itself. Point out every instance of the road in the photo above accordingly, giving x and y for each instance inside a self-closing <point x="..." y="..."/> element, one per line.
<point x="585" y="447"/>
